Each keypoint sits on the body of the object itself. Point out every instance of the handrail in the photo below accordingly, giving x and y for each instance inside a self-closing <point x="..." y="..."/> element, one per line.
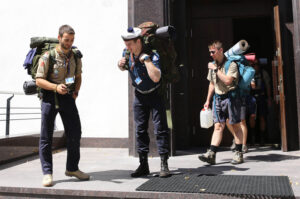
<point x="12" y="93"/>
<point x="22" y="107"/>
<point x="8" y="108"/>
<point x="20" y="113"/>
<point x="37" y="118"/>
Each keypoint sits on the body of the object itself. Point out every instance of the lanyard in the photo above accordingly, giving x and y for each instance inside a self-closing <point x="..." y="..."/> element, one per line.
<point x="132" y="68"/>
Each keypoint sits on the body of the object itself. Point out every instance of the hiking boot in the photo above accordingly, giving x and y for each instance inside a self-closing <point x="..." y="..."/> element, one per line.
<point x="209" y="157"/>
<point x="164" y="170"/>
<point x="78" y="174"/>
<point x="237" y="158"/>
<point x="143" y="168"/>
<point x="232" y="147"/>
<point x="244" y="149"/>
<point x="47" y="180"/>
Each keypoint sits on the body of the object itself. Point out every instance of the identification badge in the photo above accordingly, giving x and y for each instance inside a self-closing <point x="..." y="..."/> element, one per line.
<point x="138" y="80"/>
<point x="69" y="80"/>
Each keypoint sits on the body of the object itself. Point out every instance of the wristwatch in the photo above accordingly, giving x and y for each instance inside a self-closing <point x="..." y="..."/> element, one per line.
<point x="216" y="70"/>
<point x="146" y="57"/>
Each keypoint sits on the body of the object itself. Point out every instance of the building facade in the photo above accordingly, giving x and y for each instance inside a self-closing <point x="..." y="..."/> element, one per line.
<point x="105" y="102"/>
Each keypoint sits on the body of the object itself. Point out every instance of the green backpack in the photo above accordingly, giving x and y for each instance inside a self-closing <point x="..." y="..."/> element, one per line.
<point x="42" y="45"/>
<point x="39" y="46"/>
<point x="155" y="40"/>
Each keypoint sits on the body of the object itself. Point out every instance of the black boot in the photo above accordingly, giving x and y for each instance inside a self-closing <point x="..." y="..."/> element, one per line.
<point x="164" y="170"/>
<point x="143" y="169"/>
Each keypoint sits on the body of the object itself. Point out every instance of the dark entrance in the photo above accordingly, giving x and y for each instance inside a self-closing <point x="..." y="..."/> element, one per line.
<point x="228" y="21"/>
<point x="259" y="32"/>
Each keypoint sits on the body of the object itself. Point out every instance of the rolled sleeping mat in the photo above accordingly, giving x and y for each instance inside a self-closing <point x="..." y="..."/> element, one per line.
<point x="239" y="48"/>
<point x="165" y="32"/>
<point x="37" y="41"/>
<point x="250" y="57"/>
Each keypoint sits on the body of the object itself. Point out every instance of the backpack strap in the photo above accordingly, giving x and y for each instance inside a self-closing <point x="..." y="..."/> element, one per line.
<point x="227" y="64"/>
<point x="77" y="55"/>
<point x="52" y="61"/>
<point x="214" y="107"/>
<point x="233" y="58"/>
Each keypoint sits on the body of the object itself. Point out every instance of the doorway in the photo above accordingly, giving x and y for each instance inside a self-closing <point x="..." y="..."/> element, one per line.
<point x="230" y="22"/>
<point x="259" y="32"/>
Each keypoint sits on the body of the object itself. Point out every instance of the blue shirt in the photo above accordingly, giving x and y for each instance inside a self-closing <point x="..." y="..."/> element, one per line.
<point x="139" y="74"/>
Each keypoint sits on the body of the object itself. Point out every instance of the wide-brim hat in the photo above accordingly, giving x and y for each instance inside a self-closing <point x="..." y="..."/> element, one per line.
<point x="131" y="33"/>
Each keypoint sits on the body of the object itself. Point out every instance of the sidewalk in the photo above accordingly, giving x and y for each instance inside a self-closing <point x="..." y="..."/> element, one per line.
<point x="110" y="170"/>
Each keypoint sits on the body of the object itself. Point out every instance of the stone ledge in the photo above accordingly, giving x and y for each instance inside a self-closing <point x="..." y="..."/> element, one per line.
<point x="104" y="142"/>
<point x="18" y="147"/>
<point x="23" y="192"/>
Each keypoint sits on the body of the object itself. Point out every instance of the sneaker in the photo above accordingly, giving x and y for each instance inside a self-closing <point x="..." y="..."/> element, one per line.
<point x="78" y="174"/>
<point x="244" y="149"/>
<point x="47" y="180"/>
<point x="237" y="158"/>
<point x="209" y="157"/>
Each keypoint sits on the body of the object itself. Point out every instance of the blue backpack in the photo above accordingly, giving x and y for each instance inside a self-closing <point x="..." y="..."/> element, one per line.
<point x="245" y="70"/>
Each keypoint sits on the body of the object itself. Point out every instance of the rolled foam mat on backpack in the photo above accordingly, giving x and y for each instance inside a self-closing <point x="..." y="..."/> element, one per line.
<point x="239" y="48"/>
<point x="37" y="41"/>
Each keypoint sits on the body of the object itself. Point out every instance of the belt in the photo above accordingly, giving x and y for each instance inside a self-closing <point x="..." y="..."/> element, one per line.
<point x="148" y="91"/>
<point x="224" y="96"/>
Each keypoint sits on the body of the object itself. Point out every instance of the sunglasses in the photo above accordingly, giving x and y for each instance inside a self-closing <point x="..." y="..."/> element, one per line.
<point x="212" y="52"/>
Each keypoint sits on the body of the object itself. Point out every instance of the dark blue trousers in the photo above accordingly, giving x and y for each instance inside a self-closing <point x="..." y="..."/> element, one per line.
<point x="144" y="104"/>
<point x="71" y="121"/>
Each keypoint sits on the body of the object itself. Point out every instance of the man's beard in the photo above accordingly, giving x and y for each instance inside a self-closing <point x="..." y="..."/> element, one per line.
<point x="64" y="47"/>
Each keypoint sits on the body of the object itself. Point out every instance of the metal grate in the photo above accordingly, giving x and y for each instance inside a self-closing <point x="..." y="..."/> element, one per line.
<point x="234" y="185"/>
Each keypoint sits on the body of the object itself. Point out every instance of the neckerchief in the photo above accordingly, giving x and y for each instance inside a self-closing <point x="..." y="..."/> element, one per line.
<point x="66" y="57"/>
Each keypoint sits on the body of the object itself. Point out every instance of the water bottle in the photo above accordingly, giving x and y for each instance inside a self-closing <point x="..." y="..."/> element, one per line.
<point x="206" y="118"/>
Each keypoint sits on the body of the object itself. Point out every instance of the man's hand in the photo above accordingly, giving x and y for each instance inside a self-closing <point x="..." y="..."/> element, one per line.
<point x="206" y="105"/>
<point x="61" y="89"/>
<point x="212" y="66"/>
<point x="75" y="94"/>
<point x="121" y="64"/>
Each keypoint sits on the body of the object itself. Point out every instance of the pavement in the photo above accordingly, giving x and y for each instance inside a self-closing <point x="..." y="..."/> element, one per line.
<point x="110" y="170"/>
